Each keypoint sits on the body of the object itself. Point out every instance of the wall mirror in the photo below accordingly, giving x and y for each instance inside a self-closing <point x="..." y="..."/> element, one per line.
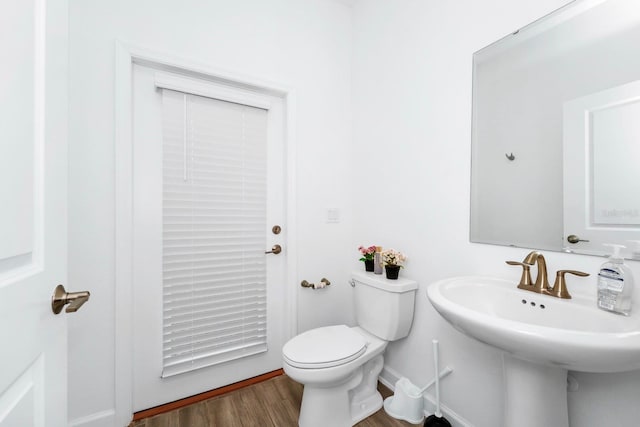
<point x="556" y="132"/>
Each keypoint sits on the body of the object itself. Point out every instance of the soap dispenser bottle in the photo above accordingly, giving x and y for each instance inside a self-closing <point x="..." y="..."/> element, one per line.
<point x="615" y="283"/>
<point x="377" y="260"/>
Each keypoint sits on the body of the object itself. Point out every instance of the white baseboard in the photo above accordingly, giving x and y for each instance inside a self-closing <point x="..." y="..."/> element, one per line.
<point x="389" y="377"/>
<point x="98" y="419"/>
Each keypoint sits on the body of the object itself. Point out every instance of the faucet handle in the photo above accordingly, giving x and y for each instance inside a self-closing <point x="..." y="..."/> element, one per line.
<point x="560" y="285"/>
<point x="525" y="279"/>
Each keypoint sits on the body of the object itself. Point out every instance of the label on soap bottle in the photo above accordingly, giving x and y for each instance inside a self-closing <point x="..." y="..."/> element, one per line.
<point x="610" y="285"/>
<point x="611" y="280"/>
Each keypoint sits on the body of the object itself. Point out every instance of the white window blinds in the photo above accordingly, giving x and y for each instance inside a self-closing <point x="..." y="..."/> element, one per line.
<point x="214" y="218"/>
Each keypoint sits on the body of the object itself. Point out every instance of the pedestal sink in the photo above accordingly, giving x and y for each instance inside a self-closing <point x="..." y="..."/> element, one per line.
<point x="542" y="337"/>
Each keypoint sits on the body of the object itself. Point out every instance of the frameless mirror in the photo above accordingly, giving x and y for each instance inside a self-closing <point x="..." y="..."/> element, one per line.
<point x="556" y="132"/>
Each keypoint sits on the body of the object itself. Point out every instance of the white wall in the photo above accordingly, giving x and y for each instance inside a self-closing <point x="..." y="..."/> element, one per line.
<point x="412" y="105"/>
<point x="302" y="45"/>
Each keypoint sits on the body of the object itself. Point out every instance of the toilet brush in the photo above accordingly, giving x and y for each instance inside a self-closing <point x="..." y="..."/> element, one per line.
<point x="436" y="420"/>
<point x="446" y="371"/>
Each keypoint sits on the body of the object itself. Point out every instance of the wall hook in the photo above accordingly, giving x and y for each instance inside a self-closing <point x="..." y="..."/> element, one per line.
<point x="510" y="156"/>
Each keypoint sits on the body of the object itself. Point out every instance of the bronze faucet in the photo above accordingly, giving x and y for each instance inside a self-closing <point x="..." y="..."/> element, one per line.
<point x="541" y="285"/>
<point x="560" y="285"/>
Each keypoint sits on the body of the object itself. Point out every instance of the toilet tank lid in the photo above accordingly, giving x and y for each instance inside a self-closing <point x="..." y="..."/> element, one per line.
<point x="379" y="281"/>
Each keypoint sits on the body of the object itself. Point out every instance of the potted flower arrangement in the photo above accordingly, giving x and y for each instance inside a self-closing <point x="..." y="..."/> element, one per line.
<point x="393" y="261"/>
<point x="367" y="256"/>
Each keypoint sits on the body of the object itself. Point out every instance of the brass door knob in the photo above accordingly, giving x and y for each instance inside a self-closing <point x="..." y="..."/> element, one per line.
<point x="276" y="249"/>
<point x="61" y="298"/>
<point x="573" y="239"/>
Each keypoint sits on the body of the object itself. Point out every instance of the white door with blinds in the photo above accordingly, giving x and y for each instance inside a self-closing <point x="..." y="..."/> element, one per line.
<point x="209" y="303"/>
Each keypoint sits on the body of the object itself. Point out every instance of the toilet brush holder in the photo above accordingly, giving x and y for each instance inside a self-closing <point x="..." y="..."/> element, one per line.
<point x="406" y="403"/>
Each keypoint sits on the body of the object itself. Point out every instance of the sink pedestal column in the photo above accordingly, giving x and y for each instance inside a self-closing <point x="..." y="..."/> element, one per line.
<point x="535" y="395"/>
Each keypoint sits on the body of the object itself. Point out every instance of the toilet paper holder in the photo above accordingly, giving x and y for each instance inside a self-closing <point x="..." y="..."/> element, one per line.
<point x="322" y="284"/>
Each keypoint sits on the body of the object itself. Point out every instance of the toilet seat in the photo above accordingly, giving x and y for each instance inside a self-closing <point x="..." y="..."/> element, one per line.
<point x="324" y="347"/>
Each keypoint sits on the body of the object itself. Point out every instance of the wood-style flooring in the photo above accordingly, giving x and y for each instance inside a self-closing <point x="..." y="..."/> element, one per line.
<point x="272" y="403"/>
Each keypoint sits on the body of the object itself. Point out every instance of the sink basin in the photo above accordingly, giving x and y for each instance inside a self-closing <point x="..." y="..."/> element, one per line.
<point x="542" y="337"/>
<point x="573" y="334"/>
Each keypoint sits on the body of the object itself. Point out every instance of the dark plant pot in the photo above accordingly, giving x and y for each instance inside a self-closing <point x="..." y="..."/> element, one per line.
<point x="368" y="265"/>
<point x="392" y="271"/>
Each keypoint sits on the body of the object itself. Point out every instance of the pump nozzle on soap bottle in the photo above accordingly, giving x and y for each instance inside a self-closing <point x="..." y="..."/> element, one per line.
<point x="616" y="251"/>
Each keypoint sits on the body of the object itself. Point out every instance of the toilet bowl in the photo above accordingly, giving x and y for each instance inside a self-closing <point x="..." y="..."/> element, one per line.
<point x="339" y="365"/>
<point x="331" y="371"/>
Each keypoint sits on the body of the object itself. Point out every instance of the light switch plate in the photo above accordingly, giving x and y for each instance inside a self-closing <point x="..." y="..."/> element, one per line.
<point x="333" y="215"/>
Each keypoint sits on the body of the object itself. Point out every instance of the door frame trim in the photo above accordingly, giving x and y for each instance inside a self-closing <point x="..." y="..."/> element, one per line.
<point x="126" y="55"/>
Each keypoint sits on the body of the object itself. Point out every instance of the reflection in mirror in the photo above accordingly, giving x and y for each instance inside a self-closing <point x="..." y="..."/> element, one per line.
<point x="556" y="140"/>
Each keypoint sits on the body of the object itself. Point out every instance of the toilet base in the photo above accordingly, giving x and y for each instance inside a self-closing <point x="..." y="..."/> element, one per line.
<point x="365" y="398"/>
<point x="365" y="408"/>
<point x="344" y="404"/>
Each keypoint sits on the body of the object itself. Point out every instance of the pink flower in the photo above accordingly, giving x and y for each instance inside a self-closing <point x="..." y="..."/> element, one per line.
<point x="367" y="253"/>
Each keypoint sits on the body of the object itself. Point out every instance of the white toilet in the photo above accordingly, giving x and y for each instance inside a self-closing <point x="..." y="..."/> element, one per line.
<point x="339" y="365"/>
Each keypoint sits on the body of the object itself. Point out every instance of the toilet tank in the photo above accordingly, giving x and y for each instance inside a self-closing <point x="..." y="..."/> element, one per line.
<point x="384" y="307"/>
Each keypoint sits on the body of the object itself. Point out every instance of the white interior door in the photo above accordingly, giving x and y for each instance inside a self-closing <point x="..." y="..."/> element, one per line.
<point x="601" y="173"/>
<point x="155" y="383"/>
<point x="33" y="132"/>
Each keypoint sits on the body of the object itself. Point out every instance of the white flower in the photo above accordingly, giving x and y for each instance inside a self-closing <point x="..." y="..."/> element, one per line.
<point x="393" y="257"/>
